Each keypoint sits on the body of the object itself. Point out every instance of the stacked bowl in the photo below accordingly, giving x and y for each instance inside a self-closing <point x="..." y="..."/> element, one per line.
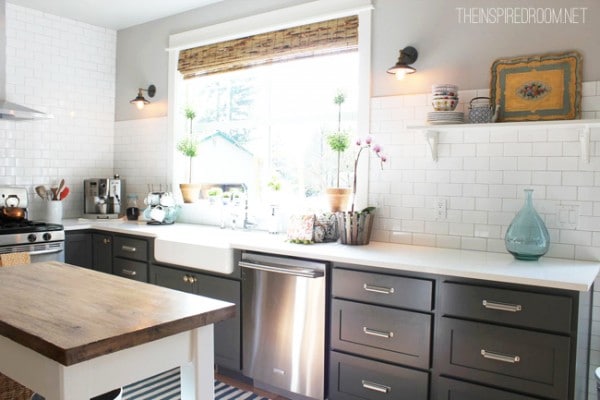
<point x="445" y="97"/>
<point x="444" y="101"/>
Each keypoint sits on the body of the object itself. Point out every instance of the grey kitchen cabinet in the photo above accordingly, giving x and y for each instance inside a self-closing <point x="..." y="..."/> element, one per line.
<point x="102" y="252"/>
<point x="227" y="333"/>
<point x="131" y="257"/>
<point x="78" y="249"/>
<point x="376" y="318"/>
<point x="89" y="249"/>
<point x="454" y="338"/>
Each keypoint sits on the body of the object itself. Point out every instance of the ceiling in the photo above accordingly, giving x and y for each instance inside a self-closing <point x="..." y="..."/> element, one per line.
<point x="113" y="14"/>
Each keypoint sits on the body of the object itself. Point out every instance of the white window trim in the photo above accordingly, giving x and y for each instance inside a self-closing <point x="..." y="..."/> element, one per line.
<point x="314" y="11"/>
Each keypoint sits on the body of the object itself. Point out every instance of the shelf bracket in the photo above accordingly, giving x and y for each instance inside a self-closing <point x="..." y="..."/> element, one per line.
<point x="584" y="141"/>
<point x="432" y="138"/>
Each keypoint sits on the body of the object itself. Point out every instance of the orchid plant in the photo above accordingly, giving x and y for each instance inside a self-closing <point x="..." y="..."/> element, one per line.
<point x="366" y="144"/>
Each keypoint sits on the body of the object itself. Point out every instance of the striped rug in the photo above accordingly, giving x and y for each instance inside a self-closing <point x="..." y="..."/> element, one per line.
<point x="165" y="386"/>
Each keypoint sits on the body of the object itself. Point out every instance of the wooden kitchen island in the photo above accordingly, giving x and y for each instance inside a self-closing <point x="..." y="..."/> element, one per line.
<point x="70" y="333"/>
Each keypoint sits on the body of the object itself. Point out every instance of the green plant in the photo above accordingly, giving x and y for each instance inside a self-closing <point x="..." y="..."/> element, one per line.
<point x="339" y="141"/>
<point x="188" y="146"/>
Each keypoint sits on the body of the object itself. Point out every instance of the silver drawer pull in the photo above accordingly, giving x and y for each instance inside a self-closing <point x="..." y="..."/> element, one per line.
<point x="375" y="332"/>
<point x="376" y="387"/>
<point x="129" y="249"/>
<point x="496" y="305"/>
<point x="129" y="272"/>
<point x="490" y="355"/>
<point x="378" y="289"/>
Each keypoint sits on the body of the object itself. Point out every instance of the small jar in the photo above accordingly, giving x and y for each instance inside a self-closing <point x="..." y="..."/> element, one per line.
<point x="133" y="212"/>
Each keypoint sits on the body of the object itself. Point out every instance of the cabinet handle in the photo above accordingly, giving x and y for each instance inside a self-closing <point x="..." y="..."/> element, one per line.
<point x="496" y="305"/>
<point x="378" y="289"/>
<point x="490" y="355"/>
<point x="129" y="272"/>
<point x="106" y="241"/>
<point x="190" y="279"/>
<point x="376" y="387"/>
<point x="129" y="249"/>
<point x="375" y="332"/>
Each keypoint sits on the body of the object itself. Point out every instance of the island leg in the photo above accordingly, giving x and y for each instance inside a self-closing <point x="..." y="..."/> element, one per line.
<point x="197" y="378"/>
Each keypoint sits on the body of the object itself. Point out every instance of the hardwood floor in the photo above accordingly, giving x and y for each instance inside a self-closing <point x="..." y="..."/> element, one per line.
<point x="244" y="386"/>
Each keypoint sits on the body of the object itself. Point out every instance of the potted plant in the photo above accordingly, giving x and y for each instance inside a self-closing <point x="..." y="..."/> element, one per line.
<point x="188" y="146"/>
<point x="355" y="227"/>
<point x="338" y="141"/>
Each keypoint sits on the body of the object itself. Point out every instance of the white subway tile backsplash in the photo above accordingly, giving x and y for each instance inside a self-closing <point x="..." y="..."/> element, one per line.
<point x="65" y="68"/>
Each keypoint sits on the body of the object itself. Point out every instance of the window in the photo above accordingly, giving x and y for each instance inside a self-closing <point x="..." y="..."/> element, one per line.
<point x="269" y="124"/>
<point x="266" y="125"/>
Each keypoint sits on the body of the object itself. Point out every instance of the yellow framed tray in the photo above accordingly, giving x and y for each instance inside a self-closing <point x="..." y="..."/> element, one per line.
<point x="537" y="87"/>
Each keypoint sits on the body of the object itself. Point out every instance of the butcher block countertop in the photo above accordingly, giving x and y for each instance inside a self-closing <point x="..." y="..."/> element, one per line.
<point x="71" y="314"/>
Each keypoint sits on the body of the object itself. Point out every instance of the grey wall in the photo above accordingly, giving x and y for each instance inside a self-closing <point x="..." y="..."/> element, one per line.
<point x="449" y="51"/>
<point x="142" y="58"/>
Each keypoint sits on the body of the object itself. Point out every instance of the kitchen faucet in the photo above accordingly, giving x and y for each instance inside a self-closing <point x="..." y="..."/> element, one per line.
<point x="247" y="224"/>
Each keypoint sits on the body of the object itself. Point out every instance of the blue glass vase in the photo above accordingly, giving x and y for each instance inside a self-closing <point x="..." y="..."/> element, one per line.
<point x="527" y="237"/>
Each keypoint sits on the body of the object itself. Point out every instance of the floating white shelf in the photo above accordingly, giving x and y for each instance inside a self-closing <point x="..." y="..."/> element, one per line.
<point x="431" y="132"/>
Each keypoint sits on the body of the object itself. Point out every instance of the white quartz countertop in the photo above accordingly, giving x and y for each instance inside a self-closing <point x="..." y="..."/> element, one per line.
<point x="499" y="267"/>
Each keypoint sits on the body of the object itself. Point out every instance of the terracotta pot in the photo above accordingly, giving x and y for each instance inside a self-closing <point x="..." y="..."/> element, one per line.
<point x="190" y="192"/>
<point x="338" y="198"/>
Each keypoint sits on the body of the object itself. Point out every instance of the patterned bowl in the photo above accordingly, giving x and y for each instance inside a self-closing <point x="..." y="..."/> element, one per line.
<point x="444" y="104"/>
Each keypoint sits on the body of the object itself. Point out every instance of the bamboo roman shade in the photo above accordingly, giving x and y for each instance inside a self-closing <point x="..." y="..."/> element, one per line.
<point x="337" y="35"/>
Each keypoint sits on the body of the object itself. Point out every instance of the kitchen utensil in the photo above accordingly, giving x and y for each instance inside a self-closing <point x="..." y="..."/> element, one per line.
<point x="61" y="186"/>
<point x="64" y="193"/>
<point x="42" y="192"/>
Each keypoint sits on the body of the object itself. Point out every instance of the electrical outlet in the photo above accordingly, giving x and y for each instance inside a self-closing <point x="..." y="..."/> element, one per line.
<point x="567" y="216"/>
<point x="440" y="208"/>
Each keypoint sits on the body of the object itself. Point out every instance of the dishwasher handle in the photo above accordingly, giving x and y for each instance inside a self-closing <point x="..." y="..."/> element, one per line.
<point x="296" y="271"/>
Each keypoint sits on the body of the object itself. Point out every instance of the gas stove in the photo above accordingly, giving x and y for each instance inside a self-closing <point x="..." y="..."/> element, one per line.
<point x="23" y="235"/>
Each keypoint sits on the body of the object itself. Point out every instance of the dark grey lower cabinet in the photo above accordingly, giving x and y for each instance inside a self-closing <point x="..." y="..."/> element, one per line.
<point x="355" y="378"/>
<point x="452" y="389"/>
<point x="480" y="340"/>
<point x="227" y="333"/>
<point x="78" y="249"/>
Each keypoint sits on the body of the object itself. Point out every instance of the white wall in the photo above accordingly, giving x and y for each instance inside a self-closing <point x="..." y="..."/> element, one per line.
<point x="67" y="69"/>
<point x="481" y="174"/>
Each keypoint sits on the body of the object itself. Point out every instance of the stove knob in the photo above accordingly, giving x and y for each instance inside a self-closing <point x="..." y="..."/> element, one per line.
<point x="47" y="236"/>
<point x="32" y="237"/>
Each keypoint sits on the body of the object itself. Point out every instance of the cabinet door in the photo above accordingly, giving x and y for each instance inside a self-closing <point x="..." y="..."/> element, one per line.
<point x="388" y="334"/>
<point x="355" y="378"/>
<point x="227" y="333"/>
<point x="135" y="270"/>
<point x="78" y="249"/>
<point x="102" y="252"/>
<point x="450" y="389"/>
<point x="173" y="278"/>
<point x="516" y="359"/>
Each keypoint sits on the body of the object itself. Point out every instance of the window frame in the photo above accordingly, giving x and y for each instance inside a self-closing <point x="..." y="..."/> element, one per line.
<point x="278" y="19"/>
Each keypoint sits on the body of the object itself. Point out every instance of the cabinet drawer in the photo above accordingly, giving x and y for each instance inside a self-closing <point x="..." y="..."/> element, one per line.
<point x="388" y="334"/>
<point x="134" y="249"/>
<point x="530" y="362"/>
<point x="450" y="389"/>
<point x="130" y="269"/>
<point x="506" y="306"/>
<point x="392" y="290"/>
<point x="354" y="378"/>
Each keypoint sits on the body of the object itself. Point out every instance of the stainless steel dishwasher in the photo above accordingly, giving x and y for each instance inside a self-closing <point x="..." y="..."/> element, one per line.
<point x="283" y="313"/>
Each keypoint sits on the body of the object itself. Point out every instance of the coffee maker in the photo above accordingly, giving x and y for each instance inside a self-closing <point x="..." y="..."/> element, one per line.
<point x="102" y="197"/>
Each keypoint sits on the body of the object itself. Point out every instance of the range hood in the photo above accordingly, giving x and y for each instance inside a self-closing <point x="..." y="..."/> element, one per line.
<point x="8" y="110"/>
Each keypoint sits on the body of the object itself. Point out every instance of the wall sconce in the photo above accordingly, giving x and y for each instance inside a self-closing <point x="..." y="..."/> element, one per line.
<point x="140" y="101"/>
<point x="408" y="55"/>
